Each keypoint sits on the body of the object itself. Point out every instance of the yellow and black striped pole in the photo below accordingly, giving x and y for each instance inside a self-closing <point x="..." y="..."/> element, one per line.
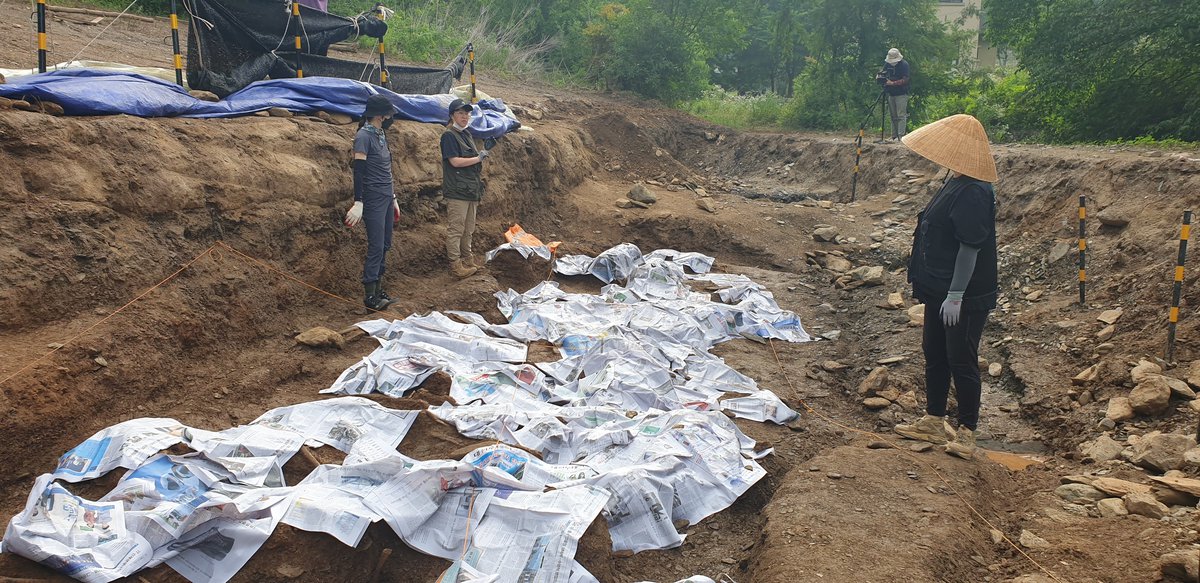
<point x="175" y="43"/>
<point x="383" y="72"/>
<point x="471" y="63"/>
<point x="857" y="158"/>
<point x="41" y="35"/>
<point x="1082" y="250"/>
<point x="1184" y="233"/>
<point x="296" y="16"/>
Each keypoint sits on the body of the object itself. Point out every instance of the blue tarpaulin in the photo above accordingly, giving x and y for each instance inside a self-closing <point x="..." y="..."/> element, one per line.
<point x="92" y="92"/>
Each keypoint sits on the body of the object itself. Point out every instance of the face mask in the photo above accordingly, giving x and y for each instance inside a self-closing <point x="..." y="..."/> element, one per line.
<point x="387" y="123"/>
<point x="458" y="127"/>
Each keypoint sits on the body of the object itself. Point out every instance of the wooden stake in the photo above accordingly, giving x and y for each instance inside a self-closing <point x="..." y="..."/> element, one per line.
<point x="91" y="12"/>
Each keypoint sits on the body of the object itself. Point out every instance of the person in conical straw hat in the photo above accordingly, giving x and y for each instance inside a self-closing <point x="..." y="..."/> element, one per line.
<point x="953" y="272"/>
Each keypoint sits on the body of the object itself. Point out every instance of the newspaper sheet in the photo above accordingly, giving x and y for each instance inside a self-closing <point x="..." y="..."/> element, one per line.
<point x="342" y="423"/>
<point x="124" y="445"/>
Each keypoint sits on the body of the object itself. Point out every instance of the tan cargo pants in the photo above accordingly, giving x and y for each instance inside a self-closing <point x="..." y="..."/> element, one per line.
<point x="460" y="225"/>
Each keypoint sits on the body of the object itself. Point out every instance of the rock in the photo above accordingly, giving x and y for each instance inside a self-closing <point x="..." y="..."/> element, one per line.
<point x="833" y="366"/>
<point x="916" y="315"/>
<point x="534" y="114"/>
<point x="25" y="106"/>
<point x="1058" y="251"/>
<point x="875" y="403"/>
<point x="1180" y="389"/>
<point x="890" y="394"/>
<point x="706" y="204"/>
<point x="837" y="264"/>
<point x="278" y="112"/>
<point x="100" y="361"/>
<point x="1193" y="374"/>
<point x="289" y="571"/>
<point x="1188" y="485"/>
<point x="710" y="136"/>
<point x="825" y="233"/>
<point x="1144" y="370"/>
<point x="891" y="360"/>
<point x="1034" y="296"/>
<point x="1112" y="218"/>
<point x="1194" y="405"/>
<point x="1103" y="449"/>
<point x="1118" y="487"/>
<point x="908" y="401"/>
<point x="625" y="203"/>
<point x="875" y="382"/>
<point x="1111" y="507"/>
<point x="1151" y="397"/>
<point x="1183" y="565"/>
<point x="869" y="275"/>
<point x="831" y="335"/>
<point x="321" y="337"/>
<point x="995" y="370"/>
<point x="1079" y="493"/>
<point x="1119" y="410"/>
<point x="1106" y="332"/>
<point x="1171" y="497"/>
<point x="1111" y="316"/>
<point x="51" y="108"/>
<point x="1032" y="541"/>
<point x="1191" y="457"/>
<point x="1162" y="451"/>
<point x="1087" y="375"/>
<point x="1033" y="578"/>
<point x="3" y="80"/>
<point x="204" y="95"/>
<point x="641" y="194"/>
<point x="337" y="119"/>
<point x="1105" y="348"/>
<point x="895" y="300"/>
<point x="1145" y="505"/>
<point x="701" y="192"/>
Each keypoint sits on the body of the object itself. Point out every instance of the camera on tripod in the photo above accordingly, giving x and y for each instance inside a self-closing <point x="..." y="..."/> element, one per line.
<point x="881" y="78"/>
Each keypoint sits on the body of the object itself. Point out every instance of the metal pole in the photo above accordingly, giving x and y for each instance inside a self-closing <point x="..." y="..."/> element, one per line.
<point x="175" y="43"/>
<point x="299" y="63"/>
<point x="1184" y="233"/>
<point x="883" y="110"/>
<point x="41" y="35"/>
<point x="1082" y="250"/>
<point x="857" y="157"/>
<point x="471" y="62"/>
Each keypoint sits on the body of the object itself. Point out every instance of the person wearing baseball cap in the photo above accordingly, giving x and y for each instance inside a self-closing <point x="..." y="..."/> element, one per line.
<point x="374" y="197"/>
<point x="953" y="272"/>
<point x="462" y="187"/>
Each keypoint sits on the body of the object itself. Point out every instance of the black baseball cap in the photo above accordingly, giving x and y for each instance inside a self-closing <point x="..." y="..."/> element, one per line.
<point x="458" y="104"/>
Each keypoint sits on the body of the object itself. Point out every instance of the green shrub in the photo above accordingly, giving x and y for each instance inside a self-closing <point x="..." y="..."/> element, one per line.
<point x="730" y="109"/>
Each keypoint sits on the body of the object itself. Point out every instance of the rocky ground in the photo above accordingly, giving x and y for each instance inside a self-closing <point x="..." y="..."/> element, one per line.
<point x="1092" y="473"/>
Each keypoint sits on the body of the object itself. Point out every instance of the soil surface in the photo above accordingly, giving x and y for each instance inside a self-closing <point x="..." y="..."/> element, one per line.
<point x="99" y="210"/>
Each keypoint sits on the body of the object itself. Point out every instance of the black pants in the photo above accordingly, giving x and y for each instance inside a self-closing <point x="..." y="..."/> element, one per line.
<point x="952" y="352"/>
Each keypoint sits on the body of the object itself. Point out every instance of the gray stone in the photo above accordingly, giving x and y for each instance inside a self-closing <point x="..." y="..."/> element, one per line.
<point x="1144" y="370"/>
<point x="1151" y="397"/>
<point x="321" y="337"/>
<point x="837" y="264"/>
<point x="1112" y="218"/>
<point x="204" y="95"/>
<point x="1119" y="410"/>
<point x="869" y="275"/>
<point x="278" y="112"/>
<point x="1145" y="505"/>
<point x="825" y="233"/>
<point x="1103" y="449"/>
<point x="1059" y="250"/>
<point x="641" y="194"/>
<point x="706" y="204"/>
<point x="995" y="370"/>
<point x="916" y="315"/>
<point x="1032" y="541"/>
<point x="1111" y="507"/>
<point x="1193" y="374"/>
<point x="1076" y="493"/>
<point x="1180" y="389"/>
<point x="1183" y="564"/>
<point x="875" y="382"/>
<point x="1110" y="316"/>
<point x="1162" y="451"/>
<point x="875" y="403"/>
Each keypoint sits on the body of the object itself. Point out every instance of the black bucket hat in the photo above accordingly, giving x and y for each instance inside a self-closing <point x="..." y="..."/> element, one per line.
<point x="458" y="104"/>
<point x="378" y="105"/>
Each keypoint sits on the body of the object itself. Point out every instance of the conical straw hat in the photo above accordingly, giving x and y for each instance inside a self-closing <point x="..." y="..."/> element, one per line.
<point x="957" y="142"/>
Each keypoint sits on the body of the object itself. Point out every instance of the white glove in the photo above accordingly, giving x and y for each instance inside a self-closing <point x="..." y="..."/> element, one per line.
<point x="354" y="217"/>
<point x="395" y="209"/>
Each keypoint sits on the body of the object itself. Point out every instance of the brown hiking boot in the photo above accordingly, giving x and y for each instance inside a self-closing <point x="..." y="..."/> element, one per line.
<point x="963" y="445"/>
<point x="927" y="428"/>
<point x="461" y="270"/>
<point x="471" y="261"/>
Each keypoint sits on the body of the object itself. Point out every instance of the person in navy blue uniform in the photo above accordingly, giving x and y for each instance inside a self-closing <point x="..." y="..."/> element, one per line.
<point x="374" y="198"/>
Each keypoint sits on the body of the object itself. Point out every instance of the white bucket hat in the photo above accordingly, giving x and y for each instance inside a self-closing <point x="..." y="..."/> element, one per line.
<point x="894" y="57"/>
<point x="957" y="142"/>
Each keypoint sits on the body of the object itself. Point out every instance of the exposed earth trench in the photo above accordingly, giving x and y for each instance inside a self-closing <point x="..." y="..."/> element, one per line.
<point x="98" y="210"/>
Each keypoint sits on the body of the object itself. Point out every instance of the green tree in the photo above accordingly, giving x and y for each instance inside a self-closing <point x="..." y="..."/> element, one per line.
<point x="1104" y="69"/>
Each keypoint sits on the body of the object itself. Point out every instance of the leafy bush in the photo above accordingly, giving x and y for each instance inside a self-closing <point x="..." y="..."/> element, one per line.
<point x="730" y="109"/>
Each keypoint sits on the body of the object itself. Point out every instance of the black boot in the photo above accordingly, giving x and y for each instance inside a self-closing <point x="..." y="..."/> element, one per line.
<point x="371" y="299"/>
<point x="379" y="291"/>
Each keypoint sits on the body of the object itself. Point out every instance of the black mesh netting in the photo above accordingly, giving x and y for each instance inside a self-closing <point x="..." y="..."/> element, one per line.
<point x="233" y="43"/>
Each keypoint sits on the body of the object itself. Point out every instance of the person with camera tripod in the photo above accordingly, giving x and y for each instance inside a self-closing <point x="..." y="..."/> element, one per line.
<point x="895" y="81"/>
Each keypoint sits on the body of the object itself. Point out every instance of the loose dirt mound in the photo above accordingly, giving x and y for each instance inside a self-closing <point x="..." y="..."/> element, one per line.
<point x="100" y="209"/>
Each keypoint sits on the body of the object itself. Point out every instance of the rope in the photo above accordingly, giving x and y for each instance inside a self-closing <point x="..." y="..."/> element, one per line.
<point x="110" y="316"/>
<point x="112" y="22"/>
<point x="910" y="455"/>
